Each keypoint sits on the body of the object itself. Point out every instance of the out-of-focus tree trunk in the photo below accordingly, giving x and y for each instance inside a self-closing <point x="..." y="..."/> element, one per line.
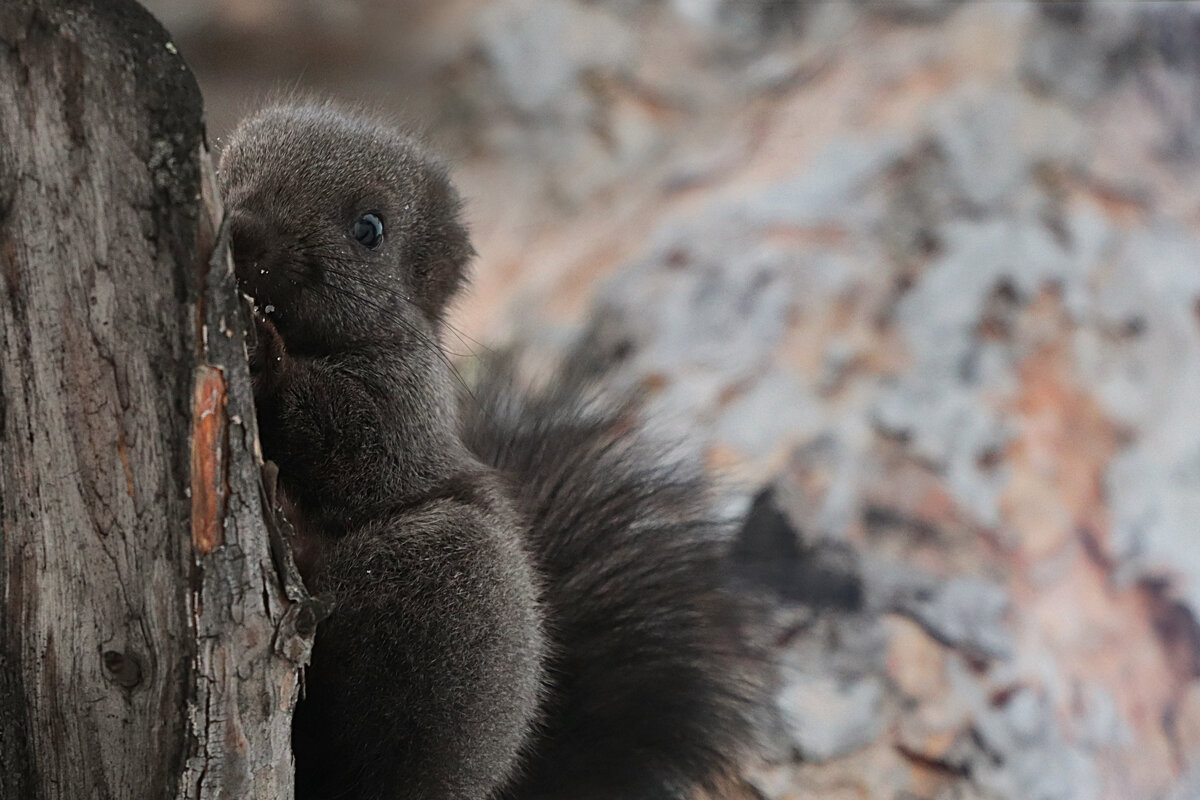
<point x="146" y="644"/>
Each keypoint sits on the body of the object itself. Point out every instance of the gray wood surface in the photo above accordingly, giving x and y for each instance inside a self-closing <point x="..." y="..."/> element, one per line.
<point x="147" y="648"/>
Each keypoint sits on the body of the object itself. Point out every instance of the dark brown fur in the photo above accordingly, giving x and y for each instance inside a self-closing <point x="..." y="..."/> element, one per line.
<point x="527" y="603"/>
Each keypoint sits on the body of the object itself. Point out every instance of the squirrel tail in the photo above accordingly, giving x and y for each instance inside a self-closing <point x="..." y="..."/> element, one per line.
<point x="653" y="689"/>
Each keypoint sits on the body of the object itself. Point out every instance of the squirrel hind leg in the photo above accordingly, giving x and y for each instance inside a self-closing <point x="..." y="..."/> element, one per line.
<point x="429" y="600"/>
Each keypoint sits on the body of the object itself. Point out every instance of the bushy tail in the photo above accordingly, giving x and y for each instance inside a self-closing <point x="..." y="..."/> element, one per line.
<point x="653" y="689"/>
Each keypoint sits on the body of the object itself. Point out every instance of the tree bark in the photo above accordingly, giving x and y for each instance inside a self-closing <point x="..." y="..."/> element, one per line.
<point x="148" y="647"/>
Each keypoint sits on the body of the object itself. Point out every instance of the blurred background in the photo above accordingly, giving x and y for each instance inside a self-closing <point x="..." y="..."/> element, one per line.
<point x="921" y="278"/>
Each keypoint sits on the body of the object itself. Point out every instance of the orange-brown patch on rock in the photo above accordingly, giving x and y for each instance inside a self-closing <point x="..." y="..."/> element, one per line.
<point x="1058" y="461"/>
<point x="915" y="662"/>
<point x="1098" y="632"/>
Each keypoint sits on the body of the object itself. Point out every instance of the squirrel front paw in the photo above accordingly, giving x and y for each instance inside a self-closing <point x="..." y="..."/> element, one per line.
<point x="268" y="357"/>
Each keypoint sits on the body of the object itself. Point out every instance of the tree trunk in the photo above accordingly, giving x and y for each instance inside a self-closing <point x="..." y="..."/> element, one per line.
<point x="147" y="645"/>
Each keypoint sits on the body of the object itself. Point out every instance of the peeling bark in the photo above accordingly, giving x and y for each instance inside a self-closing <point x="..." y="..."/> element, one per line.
<point x="147" y="646"/>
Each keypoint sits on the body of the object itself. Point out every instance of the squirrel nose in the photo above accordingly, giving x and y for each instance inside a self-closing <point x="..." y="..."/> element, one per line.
<point x="248" y="240"/>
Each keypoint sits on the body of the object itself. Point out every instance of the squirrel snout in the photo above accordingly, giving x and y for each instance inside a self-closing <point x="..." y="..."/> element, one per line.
<point x="258" y="261"/>
<point x="248" y="242"/>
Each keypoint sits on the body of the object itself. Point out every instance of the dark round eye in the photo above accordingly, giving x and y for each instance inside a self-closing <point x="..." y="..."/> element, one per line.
<point x="368" y="230"/>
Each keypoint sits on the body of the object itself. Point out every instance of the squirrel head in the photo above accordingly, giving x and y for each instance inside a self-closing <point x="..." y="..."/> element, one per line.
<point x="343" y="229"/>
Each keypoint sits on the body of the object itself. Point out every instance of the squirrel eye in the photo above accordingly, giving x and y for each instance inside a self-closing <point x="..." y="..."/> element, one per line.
<point x="368" y="230"/>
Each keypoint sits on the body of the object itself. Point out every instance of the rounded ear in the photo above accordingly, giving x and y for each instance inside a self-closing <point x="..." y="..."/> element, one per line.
<point x="443" y="253"/>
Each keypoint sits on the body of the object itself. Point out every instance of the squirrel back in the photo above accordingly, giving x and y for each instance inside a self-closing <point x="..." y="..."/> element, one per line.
<point x="652" y="685"/>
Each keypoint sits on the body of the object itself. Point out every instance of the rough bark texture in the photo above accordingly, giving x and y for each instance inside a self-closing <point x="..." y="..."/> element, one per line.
<point x="138" y="646"/>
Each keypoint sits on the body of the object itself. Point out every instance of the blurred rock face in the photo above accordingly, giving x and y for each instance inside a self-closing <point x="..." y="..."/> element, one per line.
<point x="930" y="271"/>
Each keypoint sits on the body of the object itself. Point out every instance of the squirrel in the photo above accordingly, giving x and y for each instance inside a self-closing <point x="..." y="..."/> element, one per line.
<point x="529" y="601"/>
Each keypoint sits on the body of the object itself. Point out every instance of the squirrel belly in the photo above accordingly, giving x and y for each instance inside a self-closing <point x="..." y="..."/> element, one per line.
<point x="529" y="602"/>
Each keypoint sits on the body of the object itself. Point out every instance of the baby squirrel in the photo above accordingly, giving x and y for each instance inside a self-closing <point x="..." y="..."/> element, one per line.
<point x="528" y="603"/>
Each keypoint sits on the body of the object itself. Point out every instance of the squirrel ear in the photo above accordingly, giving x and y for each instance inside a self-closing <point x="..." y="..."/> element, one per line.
<point x="448" y="271"/>
<point x="443" y="264"/>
